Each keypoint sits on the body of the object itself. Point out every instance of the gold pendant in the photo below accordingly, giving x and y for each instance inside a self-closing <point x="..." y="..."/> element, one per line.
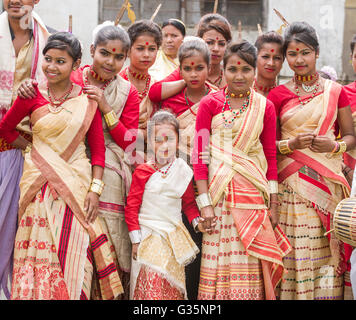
<point x="164" y="176"/>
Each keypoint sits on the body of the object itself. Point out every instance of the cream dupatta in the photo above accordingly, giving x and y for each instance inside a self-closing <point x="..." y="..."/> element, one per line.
<point x="310" y="117"/>
<point x="58" y="157"/>
<point x="237" y="172"/>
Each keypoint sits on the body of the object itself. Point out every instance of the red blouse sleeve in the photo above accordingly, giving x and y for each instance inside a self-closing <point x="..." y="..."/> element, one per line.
<point x="19" y="110"/>
<point x="125" y="132"/>
<point x="343" y="99"/>
<point x="189" y="205"/>
<point x="202" y="136"/>
<point x="96" y="141"/>
<point x="155" y="93"/>
<point x="134" y="199"/>
<point x="268" y="140"/>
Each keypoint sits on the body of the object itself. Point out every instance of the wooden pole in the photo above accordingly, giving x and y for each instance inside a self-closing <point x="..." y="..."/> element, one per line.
<point x="260" y="32"/>
<point x="239" y="31"/>
<point x="216" y="3"/>
<point x="121" y="12"/>
<point x="286" y="23"/>
<point x="70" y="28"/>
<point x="155" y="13"/>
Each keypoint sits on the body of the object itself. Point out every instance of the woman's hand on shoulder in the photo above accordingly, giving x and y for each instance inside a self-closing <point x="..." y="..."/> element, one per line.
<point x="27" y="89"/>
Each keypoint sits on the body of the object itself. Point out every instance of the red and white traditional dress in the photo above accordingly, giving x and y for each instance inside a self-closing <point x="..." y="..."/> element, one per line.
<point x="153" y="216"/>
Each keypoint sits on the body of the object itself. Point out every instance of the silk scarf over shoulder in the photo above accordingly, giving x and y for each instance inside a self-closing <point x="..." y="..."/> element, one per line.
<point x="317" y="116"/>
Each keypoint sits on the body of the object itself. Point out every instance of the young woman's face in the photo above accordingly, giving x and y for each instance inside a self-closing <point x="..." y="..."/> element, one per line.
<point x="239" y="74"/>
<point x="270" y="60"/>
<point x="194" y="71"/>
<point x="301" y="58"/>
<point x="353" y="59"/>
<point x="217" y="45"/>
<point x="58" y="65"/>
<point x="143" y="52"/>
<point x="171" y="40"/>
<point x="164" y="142"/>
<point x="108" y="58"/>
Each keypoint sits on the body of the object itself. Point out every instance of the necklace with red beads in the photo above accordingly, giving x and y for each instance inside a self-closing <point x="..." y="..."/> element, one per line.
<point x="238" y="112"/>
<point x="314" y="88"/>
<point x="165" y="172"/>
<point x="55" y="104"/>
<point x="106" y="82"/>
<point x="263" y="89"/>
<point x="138" y="76"/>
<point x="187" y="101"/>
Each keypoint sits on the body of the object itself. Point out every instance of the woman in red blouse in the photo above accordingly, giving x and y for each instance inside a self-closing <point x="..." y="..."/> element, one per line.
<point x="118" y="102"/>
<point x="311" y="182"/>
<point x="270" y="60"/>
<point x="215" y="30"/>
<point x="160" y="190"/>
<point x="350" y="89"/>
<point x="238" y="187"/>
<point x="60" y="187"/>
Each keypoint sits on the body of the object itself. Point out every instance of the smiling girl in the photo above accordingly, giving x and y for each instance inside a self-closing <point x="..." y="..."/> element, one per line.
<point x="118" y="102"/>
<point x="60" y="188"/>
<point x="238" y="187"/>
<point x="311" y="182"/>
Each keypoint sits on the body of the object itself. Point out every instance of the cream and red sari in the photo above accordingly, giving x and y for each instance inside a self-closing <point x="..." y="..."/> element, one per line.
<point x="242" y="259"/>
<point x="56" y="252"/>
<point x="310" y="187"/>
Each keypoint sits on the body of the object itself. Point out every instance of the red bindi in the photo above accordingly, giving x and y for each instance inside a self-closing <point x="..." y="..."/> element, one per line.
<point x="217" y="39"/>
<point x="297" y="49"/>
<point x="192" y="63"/>
<point x="238" y="62"/>
<point x="272" y="50"/>
<point x="147" y="43"/>
<point x="114" y="50"/>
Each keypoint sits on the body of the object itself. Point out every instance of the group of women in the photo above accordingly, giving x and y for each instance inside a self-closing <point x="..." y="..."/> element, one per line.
<point x="259" y="172"/>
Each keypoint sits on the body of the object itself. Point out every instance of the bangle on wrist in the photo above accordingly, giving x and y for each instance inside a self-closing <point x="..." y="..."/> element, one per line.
<point x="203" y="200"/>
<point x="342" y="147"/>
<point x="111" y="118"/>
<point x="283" y="146"/>
<point x="97" y="186"/>
<point x="273" y="186"/>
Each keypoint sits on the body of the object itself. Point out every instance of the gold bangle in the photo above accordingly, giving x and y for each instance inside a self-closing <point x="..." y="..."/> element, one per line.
<point x="97" y="186"/>
<point x="342" y="147"/>
<point x="283" y="147"/>
<point x="273" y="186"/>
<point x="111" y="118"/>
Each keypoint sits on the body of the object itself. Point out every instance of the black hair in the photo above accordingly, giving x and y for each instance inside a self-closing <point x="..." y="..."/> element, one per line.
<point x="145" y="27"/>
<point x="214" y="21"/>
<point x="244" y="49"/>
<point x="353" y="43"/>
<point x="175" y="23"/>
<point x="107" y="33"/>
<point x="301" y="32"/>
<point x="64" y="41"/>
<point x="269" y="37"/>
<point x="190" y="46"/>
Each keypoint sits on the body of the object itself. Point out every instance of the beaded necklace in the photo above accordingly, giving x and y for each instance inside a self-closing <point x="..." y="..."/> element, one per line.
<point x="55" y="104"/>
<point x="95" y="75"/>
<point x="257" y="87"/>
<point x="143" y="93"/>
<point x="315" y="91"/>
<point x="106" y="83"/>
<point x="165" y="172"/>
<point x="238" y="113"/>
